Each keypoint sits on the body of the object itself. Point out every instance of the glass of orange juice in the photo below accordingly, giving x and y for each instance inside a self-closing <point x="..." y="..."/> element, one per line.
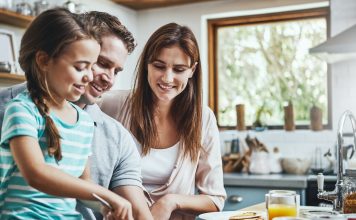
<point x="282" y="203"/>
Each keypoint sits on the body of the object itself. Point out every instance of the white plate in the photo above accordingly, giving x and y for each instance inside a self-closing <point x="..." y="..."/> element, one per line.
<point x="226" y="215"/>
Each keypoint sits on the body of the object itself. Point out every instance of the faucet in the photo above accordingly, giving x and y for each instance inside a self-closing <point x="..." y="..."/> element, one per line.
<point x="336" y="195"/>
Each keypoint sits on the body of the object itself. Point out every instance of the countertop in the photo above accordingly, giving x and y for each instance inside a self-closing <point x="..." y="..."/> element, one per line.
<point x="262" y="207"/>
<point x="267" y="180"/>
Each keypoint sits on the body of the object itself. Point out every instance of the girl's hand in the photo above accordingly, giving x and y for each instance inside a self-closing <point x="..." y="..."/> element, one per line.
<point x="163" y="208"/>
<point x="121" y="209"/>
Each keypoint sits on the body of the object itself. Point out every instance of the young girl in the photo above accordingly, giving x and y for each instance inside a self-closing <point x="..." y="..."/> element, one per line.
<point x="178" y="136"/>
<point x="45" y="140"/>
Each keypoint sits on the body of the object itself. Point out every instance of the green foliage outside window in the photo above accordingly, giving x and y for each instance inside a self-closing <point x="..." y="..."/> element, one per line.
<point x="268" y="65"/>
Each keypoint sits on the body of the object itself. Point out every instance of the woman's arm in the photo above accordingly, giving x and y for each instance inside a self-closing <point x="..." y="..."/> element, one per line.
<point x="41" y="176"/>
<point x="194" y="204"/>
<point x="209" y="175"/>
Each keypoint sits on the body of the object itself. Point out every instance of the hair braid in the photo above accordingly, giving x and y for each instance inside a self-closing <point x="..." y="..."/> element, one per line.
<point x="52" y="133"/>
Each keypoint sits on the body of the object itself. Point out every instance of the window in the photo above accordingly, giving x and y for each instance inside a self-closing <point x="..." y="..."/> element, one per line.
<point x="263" y="62"/>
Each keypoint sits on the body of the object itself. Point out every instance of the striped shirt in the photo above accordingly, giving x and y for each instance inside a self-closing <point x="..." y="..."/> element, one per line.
<point x="19" y="199"/>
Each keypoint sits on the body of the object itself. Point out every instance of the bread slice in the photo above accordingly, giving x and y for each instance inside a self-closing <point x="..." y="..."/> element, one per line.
<point x="246" y="216"/>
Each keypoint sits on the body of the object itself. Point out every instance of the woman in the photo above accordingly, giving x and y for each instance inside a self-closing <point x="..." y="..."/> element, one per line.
<point x="178" y="138"/>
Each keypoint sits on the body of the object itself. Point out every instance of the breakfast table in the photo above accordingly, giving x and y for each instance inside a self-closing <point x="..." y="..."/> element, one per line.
<point x="261" y="207"/>
<point x="258" y="207"/>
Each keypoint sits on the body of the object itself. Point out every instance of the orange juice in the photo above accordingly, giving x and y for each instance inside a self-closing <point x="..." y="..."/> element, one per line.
<point x="276" y="210"/>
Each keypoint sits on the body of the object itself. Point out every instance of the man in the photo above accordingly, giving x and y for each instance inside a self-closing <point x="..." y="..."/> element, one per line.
<point x="115" y="162"/>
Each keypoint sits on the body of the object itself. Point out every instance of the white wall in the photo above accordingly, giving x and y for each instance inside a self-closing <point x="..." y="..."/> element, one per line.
<point x="343" y="15"/>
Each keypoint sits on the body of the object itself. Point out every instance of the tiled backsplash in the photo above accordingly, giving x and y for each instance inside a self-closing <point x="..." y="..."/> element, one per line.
<point x="299" y="143"/>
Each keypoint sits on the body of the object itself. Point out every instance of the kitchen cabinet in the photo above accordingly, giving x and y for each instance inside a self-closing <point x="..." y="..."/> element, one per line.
<point x="15" y="19"/>
<point x="244" y="196"/>
<point x="245" y="189"/>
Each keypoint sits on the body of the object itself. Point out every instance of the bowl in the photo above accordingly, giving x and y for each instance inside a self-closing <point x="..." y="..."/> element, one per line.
<point x="296" y="165"/>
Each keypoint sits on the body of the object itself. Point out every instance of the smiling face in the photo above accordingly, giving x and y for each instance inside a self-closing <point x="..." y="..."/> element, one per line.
<point x="111" y="60"/>
<point x="169" y="73"/>
<point x="70" y="72"/>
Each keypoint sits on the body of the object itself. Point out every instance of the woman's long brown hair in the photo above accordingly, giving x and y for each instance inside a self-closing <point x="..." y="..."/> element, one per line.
<point x="186" y="109"/>
<point x="50" y="32"/>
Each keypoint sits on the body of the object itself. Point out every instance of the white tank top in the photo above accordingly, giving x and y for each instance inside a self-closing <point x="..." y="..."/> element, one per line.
<point x="158" y="165"/>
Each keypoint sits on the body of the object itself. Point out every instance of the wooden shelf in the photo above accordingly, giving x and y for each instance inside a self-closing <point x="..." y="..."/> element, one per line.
<point x="13" y="18"/>
<point x="12" y="78"/>
<point x="146" y="4"/>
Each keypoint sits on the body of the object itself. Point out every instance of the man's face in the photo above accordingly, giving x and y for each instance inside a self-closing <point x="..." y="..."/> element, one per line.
<point x="111" y="60"/>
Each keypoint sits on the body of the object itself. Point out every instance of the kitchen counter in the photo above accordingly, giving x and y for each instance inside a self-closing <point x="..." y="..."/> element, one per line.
<point x="275" y="180"/>
<point x="268" y="180"/>
<point x="261" y="207"/>
<point x="244" y="189"/>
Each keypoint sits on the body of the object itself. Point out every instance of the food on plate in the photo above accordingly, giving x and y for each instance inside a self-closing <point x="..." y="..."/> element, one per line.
<point x="350" y="203"/>
<point x="246" y="216"/>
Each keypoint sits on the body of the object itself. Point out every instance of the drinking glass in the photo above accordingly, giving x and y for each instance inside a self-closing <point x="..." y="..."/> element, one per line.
<point x="282" y="203"/>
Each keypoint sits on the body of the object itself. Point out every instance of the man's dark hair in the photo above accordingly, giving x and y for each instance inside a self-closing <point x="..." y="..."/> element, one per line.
<point x="106" y="24"/>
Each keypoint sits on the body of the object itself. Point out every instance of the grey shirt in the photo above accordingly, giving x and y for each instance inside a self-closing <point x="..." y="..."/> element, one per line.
<point x="115" y="160"/>
<point x="6" y="95"/>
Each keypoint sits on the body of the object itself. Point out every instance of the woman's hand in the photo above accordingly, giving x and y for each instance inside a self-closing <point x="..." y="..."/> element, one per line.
<point x="163" y="208"/>
<point x="121" y="209"/>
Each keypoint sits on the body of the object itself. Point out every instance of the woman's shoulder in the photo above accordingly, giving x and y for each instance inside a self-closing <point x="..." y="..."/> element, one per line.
<point x="115" y="95"/>
<point x="207" y="114"/>
<point x="209" y="124"/>
<point x="115" y="102"/>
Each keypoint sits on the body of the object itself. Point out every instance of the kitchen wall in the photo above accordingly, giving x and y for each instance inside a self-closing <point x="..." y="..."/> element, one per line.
<point x="300" y="143"/>
<point x="195" y="15"/>
<point x="343" y="16"/>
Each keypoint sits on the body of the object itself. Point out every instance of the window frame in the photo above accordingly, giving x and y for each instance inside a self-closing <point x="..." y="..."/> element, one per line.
<point x="214" y="24"/>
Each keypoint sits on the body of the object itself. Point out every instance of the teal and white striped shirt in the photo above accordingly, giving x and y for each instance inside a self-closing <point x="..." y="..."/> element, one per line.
<point x="17" y="198"/>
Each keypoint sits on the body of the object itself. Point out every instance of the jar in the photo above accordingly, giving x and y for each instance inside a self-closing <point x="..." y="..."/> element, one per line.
<point x="24" y="8"/>
<point x="70" y="5"/>
<point x="349" y="192"/>
<point x="40" y="6"/>
<point x="5" y="67"/>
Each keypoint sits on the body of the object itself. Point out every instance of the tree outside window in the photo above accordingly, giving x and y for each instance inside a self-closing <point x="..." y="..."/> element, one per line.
<point x="264" y="65"/>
